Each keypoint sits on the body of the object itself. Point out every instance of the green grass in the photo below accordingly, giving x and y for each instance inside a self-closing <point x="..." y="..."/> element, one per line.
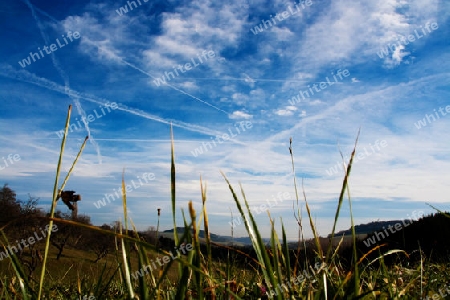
<point x="198" y="275"/>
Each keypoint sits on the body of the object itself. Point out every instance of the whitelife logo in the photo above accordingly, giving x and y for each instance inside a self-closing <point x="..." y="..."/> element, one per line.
<point x="31" y="240"/>
<point x="27" y="61"/>
<point x="403" y="41"/>
<point x="281" y="287"/>
<point x="184" y="248"/>
<point x="280" y="16"/>
<point x="89" y="119"/>
<point x="124" y="9"/>
<point x="422" y="123"/>
<point x="11" y="158"/>
<point x="128" y="189"/>
<point x="323" y="85"/>
<point x="183" y="68"/>
<point x="398" y="226"/>
<point x="224" y="137"/>
<point x="442" y="294"/>
<point x="263" y="207"/>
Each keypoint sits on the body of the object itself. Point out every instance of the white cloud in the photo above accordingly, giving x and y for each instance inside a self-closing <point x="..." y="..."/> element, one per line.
<point x="398" y="55"/>
<point x="253" y="85"/>
<point x="315" y="102"/>
<point x="240" y="115"/>
<point x="284" y="112"/>
<point x="189" y="85"/>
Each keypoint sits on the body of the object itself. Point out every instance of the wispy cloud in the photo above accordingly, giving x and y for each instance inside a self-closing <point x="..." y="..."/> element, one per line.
<point x="251" y="78"/>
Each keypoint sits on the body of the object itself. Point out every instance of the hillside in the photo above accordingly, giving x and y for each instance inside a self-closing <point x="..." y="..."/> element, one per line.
<point x="431" y="233"/>
<point x="361" y="230"/>
<point x="367" y="228"/>
<point x="405" y="238"/>
<point x="216" y="238"/>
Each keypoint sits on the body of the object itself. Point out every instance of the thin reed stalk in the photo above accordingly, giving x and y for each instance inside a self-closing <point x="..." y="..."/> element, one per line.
<point x="53" y="206"/>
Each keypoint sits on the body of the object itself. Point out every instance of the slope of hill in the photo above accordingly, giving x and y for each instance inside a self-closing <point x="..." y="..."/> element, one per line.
<point x="431" y="234"/>
<point x="377" y="232"/>
<point x="367" y="228"/>
<point x="220" y="239"/>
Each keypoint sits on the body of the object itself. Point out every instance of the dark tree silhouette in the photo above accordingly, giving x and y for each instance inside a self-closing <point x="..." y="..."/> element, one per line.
<point x="68" y="234"/>
<point x="23" y="220"/>
<point x="9" y="207"/>
<point x="100" y="243"/>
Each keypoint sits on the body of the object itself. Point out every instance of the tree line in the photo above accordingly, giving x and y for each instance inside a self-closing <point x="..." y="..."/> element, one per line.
<point x="21" y="220"/>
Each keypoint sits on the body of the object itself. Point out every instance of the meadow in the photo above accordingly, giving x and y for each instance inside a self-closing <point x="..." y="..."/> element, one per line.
<point x="139" y="269"/>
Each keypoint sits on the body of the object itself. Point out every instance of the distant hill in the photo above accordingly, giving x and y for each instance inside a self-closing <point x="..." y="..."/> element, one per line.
<point x="220" y="239"/>
<point x="431" y="233"/>
<point x="361" y="230"/>
<point x="367" y="228"/>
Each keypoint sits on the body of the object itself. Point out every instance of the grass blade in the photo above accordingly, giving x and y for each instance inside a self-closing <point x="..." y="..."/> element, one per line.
<point x="341" y="197"/>
<point x="23" y="280"/>
<point x="53" y="207"/>
<point x="255" y="236"/>
<point x="74" y="163"/>
<point x="172" y="185"/>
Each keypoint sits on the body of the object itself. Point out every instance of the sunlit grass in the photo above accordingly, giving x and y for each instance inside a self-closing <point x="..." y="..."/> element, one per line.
<point x="199" y="275"/>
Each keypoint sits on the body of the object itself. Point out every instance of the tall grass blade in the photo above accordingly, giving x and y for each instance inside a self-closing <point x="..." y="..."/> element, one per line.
<point x="126" y="268"/>
<point x="124" y="202"/>
<point x="125" y="246"/>
<point x="440" y="211"/>
<point x="172" y="185"/>
<point x="185" y="269"/>
<point x="277" y="254"/>
<point x="53" y="206"/>
<point x="341" y="197"/>
<point x="255" y="236"/>
<point x="74" y="163"/>
<point x="23" y="279"/>
<point x="286" y="254"/>
<point x="99" y="293"/>
<point x="142" y="261"/>
<point x="313" y="227"/>
<point x="357" y="283"/>
<point x="197" y="257"/>
<point x="209" y="261"/>
<point x="356" y="279"/>
<point x="382" y="256"/>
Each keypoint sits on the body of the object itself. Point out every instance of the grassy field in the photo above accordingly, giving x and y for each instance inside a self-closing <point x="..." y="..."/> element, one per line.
<point x="196" y="274"/>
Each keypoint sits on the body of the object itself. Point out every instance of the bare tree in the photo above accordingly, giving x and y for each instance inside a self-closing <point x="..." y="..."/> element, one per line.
<point x="9" y="207"/>
<point x="68" y="234"/>
<point x="23" y="219"/>
<point x="100" y="243"/>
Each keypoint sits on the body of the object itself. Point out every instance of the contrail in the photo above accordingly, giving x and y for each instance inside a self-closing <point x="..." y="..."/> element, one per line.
<point x="252" y="79"/>
<point x="46" y="14"/>
<point x="25" y="76"/>
<point x="85" y="39"/>
<point x="66" y="81"/>
<point x="56" y="152"/>
<point x="151" y="76"/>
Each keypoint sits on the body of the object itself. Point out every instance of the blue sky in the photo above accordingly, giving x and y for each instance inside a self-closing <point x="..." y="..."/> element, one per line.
<point x="259" y="72"/>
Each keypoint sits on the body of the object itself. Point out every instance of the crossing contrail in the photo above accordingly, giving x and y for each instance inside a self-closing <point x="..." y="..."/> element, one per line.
<point x="66" y="82"/>
<point x="25" y="76"/>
